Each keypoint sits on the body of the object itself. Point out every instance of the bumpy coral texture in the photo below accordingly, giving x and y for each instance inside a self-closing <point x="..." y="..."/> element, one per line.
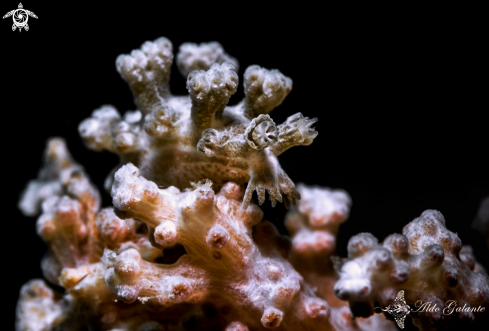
<point x="231" y="256"/>
<point x="176" y="140"/>
<point x="77" y="232"/>
<point x="233" y="272"/>
<point x="185" y="248"/>
<point x="427" y="261"/>
<point x="313" y="225"/>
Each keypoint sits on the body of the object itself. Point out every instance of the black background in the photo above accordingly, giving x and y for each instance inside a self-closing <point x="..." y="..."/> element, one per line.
<point x="400" y="93"/>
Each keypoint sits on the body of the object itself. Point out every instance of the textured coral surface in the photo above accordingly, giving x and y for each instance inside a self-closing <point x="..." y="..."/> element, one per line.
<point x="176" y="140"/>
<point x="184" y="247"/>
<point x="427" y="261"/>
<point x="181" y="258"/>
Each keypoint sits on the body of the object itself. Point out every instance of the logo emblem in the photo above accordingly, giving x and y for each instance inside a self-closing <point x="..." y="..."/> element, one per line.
<point x="399" y="309"/>
<point x="20" y="17"/>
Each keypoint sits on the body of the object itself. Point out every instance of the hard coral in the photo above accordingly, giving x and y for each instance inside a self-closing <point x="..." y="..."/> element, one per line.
<point x="77" y="233"/>
<point x="426" y="261"/>
<point x="185" y="248"/>
<point x="176" y="140"/>
<point x="233" y="261"/>
<point x="203" y="152"/>
<point x="313" y="225"/>
<point x="232" y="274"/>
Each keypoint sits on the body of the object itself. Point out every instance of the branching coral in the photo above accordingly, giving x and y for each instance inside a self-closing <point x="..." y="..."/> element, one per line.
<point x="427" y="261"/>
<point x="313" y="225"/>
<point x="185" y="248"/>
<point x="59" y="175"/>
<point x="76" y="232"/>
<point x="241" y="268"/>
<point x="235" y="265"/>
<point x="177" y="140"/>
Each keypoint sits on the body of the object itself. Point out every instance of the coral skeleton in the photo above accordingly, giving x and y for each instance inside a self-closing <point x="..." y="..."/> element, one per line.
<point x="184" y="247"/>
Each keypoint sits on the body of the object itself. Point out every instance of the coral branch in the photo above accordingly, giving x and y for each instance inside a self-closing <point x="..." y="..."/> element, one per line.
<point x="177" y="140"/>
<point x="59" y="175"/>
<point x="38" y="308"/>
<point x="147" y="71"/>
<point x="63" y="226"/>
<point x="96" y="131"/>
<point x="424" y="261"/>
<point x="223" y="261"/>
<point x="192" y="57"/>
<point x="264" y="90"/>
<point x="313" y="225"/>
<point x="184" y="247"/>
<point x="210" y="92"/>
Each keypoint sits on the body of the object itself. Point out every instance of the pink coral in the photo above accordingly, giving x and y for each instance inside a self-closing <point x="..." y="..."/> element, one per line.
<point x="185" y="247"/>
<point x="426" y="261"/>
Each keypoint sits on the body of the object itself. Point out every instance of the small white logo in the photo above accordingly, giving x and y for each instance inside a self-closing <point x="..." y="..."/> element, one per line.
<point x="399" y="309"/>
<point x="20" y="17"/>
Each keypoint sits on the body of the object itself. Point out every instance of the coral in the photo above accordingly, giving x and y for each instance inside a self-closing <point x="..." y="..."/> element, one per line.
<point x="184" y="247"/>
<point x="60" y="175"/>
<point x="427" y="261"/>
<point x="230" y="256"/>
<point x="38" y="307"/>
<point x="120" y="274"/>
<point x="176" y="140"/>
<point x="197" y="247"/>
<point x="77" y="232"/>
<point x="313" y="225"/>
<point x="200" y="57"/>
